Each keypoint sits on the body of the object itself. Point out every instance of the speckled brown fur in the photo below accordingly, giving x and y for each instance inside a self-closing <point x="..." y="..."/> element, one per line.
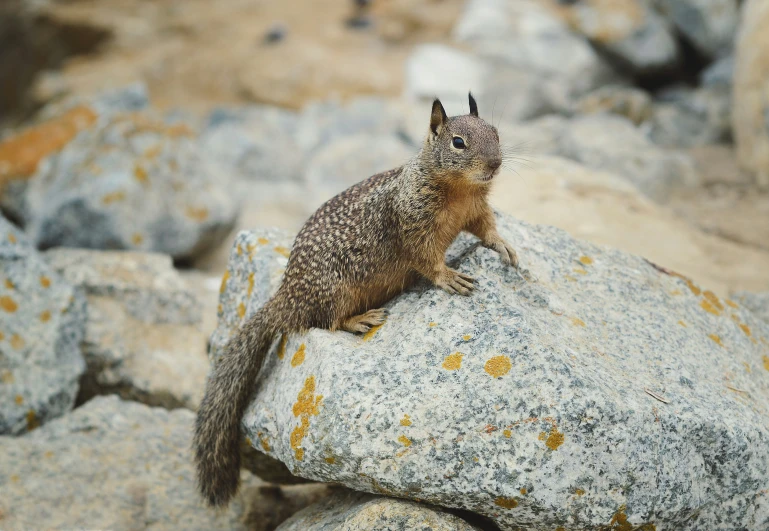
<point x="357" y="251"/>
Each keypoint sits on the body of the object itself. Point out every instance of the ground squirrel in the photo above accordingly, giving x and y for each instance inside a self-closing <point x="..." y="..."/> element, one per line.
<point x="356" y="252"/>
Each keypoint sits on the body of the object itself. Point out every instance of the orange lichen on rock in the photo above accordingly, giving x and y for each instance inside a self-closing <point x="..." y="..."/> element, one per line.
<point x="406" y="420"/>
<point x="453" y="362"/>
<point x="507" y="433"/>
<point x="579" y="492"/>
<point x="298" y="358"/>
<point x="32" y="420"/>
<point x="250" y="283"/>
<point x="467" y="337"/>
<point x="282" y="346"/>
<point x="8" y="304"/>
<point x="241" y="310"/>
<point x="137" y="239"/>
<point x="282" y="251"/>
<point x="716" y="339"/>
<point x="264" y="443"/>
<point x="307" y="405"/>
<point x="708" y="307"/>
<point x="554" y="439"/>
<point x="506" y="503"/>
<point x="263" y="241"/>
<point x="197" y="214"/>
<point x="731" y="303"/>
<point x="586" y="260"/>
<point x="405" y="441"/>
<point x="141" y="175"/>
<point x="692" y="286"/>
<point x="682" y="323"/>
<point x="45" y="281"/>
<point x="18" y="399"/>
<point x="330" y="460"/>
<point x="225" y="278"/>
<point x="745" y="329"/>
<point x="498" y="366"/>
<point x="11" y="237"/>
<point x="580" y="271"/>
<point x="713" y="299"/>
<point x="45" y="316"/>
<point x="17" y="342"/>
<point x="113" y="197"/>
<point x="576" y="321"/>
<point x="21" y="154"/>
<point x="372" y="332"/>
<point x="765" y="359"/>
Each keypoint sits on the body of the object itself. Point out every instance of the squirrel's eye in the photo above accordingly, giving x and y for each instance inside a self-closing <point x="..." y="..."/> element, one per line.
<point x="458" y="142"/>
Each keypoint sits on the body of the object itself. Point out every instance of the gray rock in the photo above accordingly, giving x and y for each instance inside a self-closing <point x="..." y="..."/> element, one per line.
<point x="42" y="322"/>
<point x="350" y="159"/>
<point x="692" y="117"/>
<point x="750" y="115"/>
<point x="630" y="102"/>
<point x="719" y="74"/>
<point x="125" y="466"/>
<point x="576" y="392"/>
<point x="436" y="70"/>
<point x="364" y="512"/>
<point x="123" y="181"/>
<point x="144" y="339"/>
<point x="757" y="303"/>
<point x="610" y="142"/>
<point x="255" y="143"/>
<point x="527" y="35"/>
<point x="633" y="34"/>
<point x="710" y="25"/>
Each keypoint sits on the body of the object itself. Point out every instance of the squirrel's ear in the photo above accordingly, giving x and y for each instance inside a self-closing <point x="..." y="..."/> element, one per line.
<point x="437" y="117"/>
<point x="473" y="105"/>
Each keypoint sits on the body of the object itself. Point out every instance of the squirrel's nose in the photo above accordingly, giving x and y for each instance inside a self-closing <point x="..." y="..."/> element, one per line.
<point x="494" y="163"/>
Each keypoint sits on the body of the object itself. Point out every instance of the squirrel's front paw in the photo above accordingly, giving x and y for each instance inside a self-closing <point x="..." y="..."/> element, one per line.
<point x="506" y="252"/>
<point x="455" y="282"/>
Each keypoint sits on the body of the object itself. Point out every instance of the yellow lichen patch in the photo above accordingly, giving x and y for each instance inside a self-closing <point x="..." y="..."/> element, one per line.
<point x="619" y="521"/>
<point x="731" y="303"/>
<point x="676" y="292"/>
<point x="747" y="366"/>
<point x="264" y="443"/>
<point x="141" y="175"/>
<point x="45" y="281"/>
<point x="241" y="310"/>
<point x="746" y="329"/>
<point x="507" y="433"/>
<point x="586" y="260"/>
<point x="250" y="283"/>
<point x="542" y="436"/>
<point x="713" y="299"/>
<point x="225" y="278"/>
<point x="113" y="197"/>
<point x="219" y="309"/>
<point x="7" y="377"/>
<point x="579" y="492"/>
<point x="8" y="304"/>
<point x="498" y="366"/>
<point x="307" y="405"/>
<point x="406" y="420"/>
<point x="250" y="249"/>
<point x="330" y="460"/>
<point x="20" y="154"/>
<point x="137" y="238"/>
<point x="506" y="503"/>
<point x="453" y="362"/>
<point x="555" y="439"/>
<point x="580" y="271"/>
<point x="576" y="321"/>
<point x="197" y="214"/>
<point x="467" y="337"/>
<point x="263" y="241"/>
<point x="682" y="324"/>
<point x="717" y="339"/>
<point x="9" y="284"/>
<point x="17" y="342"/>
<point x="523" y="491"/>
<point x="692" y="286"/>
<point x="282" y="251"/>
<point x="45" y="316"/>
<point x="432" y="324"/>
<point x="2" y="336"/>
<point x="372" y="331"/>
<point x="240" y="250"/>
<point x="11" y="237"/>
<point x="298" y="358"/>
<point x="32" y="421"/>
<point x="18" y="399"/>
<point x="765" y="359"/>
<point x="708" y="307"/>
<point x="405" y="441"/>
<point x="570" y="278"/>
<point x="282" y="346"/>
<point x="48" y="454"/>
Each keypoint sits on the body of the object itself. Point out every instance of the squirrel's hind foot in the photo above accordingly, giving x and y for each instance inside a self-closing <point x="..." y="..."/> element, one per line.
<point x="360" y="324"/>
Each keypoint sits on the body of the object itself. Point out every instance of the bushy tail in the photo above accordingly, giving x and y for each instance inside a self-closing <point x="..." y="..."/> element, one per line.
<point x="216" y="441"/>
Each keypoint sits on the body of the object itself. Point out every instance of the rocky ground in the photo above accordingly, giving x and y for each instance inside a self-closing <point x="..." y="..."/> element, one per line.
<point x="156" y="159"/>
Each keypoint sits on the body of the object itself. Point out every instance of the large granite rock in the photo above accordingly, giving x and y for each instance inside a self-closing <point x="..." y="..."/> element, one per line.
<point x="42" y="322"/>
<point x="119" y="180"/>
<point x="633" y="34"/>
<point x="686" y="117"/>
<point x="143" y="338"/>
<point x="750" y="95"/>
<point x="123" y="466"/>
<point x="364" y="512"/>
<point x="709" y="25"/>
<point x="757" y="303"/>
<point x="577" y="392"/>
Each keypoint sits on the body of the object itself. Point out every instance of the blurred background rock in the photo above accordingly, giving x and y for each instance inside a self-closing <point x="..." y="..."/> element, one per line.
<point x="139" y="136"/>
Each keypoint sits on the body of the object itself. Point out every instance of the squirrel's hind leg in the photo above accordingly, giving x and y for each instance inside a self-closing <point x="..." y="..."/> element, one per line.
<point x="361" y="324"/>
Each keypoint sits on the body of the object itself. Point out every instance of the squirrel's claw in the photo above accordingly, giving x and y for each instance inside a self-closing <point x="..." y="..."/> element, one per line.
<point x="506" y="252"/>
<point x="456" y="283"/>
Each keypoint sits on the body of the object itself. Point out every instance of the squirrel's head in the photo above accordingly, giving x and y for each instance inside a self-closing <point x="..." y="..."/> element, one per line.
<point x="463" y="146"/>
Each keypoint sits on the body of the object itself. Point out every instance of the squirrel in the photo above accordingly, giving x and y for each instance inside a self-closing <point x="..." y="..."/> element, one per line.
<point x="355" y="253"/>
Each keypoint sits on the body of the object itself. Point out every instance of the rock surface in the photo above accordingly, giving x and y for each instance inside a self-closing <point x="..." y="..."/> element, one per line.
<point x="42" y="322"/>
<point x="144" y="339"/>
<point x="692" y="117"/>
<point x="757" y="303"/>
<point x="750" y="117"/>
<point x="363" y="512"/>
<point x="577" y="391"/>
<point x="709" y="25"/>
<point x="123" y="181"/>
<point x="127" y="466"/>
